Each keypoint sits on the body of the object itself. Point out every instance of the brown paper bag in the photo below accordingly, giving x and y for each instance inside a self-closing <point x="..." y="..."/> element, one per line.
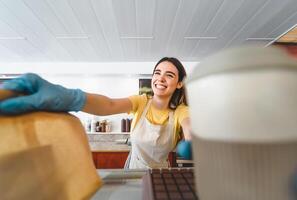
<point x="45" y="156"/>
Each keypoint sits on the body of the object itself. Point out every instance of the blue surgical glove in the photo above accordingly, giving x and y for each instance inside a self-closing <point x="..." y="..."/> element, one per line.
<point x="184" y="149"/>
<point x="40" y="94"/>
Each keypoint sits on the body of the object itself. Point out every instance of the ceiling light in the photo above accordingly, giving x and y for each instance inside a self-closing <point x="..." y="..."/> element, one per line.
<point x="200" y="38"/>
<point x="137" y="38"/>
<point x="13" y="38"/>
<point x="67" y="37"/>
<point x="259" y="39"/>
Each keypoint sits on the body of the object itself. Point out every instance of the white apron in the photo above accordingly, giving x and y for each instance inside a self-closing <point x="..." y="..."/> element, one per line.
<point x="151" y="143"/>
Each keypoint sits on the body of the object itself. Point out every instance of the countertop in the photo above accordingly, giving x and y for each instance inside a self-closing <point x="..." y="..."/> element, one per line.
<point x="108" y="147"/>
<point x="120" y="184"/>
<point x="109" y="142"/>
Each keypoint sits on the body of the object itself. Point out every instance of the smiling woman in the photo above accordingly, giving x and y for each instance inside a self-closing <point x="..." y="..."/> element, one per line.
<point x="160" y="121"/>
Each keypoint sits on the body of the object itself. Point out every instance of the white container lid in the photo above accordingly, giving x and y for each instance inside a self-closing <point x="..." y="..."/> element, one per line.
<point x="243" y="58"/>
<point x="245" y="94"/>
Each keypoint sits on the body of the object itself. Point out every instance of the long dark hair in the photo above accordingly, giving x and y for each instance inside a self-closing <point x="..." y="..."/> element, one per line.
<point x="179" y="95"/>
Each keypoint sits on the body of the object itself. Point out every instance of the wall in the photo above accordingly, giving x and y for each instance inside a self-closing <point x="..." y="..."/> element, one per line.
<point x="111" y="86"/>
<point x="84" y="69"/>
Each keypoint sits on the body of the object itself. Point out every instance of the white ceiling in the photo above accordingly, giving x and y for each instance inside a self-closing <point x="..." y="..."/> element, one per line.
<point x="136" y="30"/>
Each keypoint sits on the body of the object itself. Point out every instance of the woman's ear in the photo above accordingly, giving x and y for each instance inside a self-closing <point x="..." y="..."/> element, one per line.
<point x="180" y="85"/>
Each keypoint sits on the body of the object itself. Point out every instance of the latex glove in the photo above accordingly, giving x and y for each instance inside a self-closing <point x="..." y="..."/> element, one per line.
<point x="184" y="149"/>
<point x="40" y="95"/>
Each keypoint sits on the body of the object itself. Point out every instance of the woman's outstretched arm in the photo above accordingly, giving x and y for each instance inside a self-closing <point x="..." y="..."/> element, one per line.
<point x="102" y="105"/>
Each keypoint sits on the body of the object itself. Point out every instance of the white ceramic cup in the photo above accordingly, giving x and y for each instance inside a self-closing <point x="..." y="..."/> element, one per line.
<point x="243" y="107"/>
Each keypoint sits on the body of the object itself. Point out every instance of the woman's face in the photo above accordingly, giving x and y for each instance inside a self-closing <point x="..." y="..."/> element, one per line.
<point x="165" y="79"/>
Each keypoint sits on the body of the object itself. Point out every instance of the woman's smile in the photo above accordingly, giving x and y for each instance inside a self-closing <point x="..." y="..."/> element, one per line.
<point x="160" y="86"/>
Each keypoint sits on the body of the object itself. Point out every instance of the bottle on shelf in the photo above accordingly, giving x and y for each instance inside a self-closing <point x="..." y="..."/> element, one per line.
<point x="123" y="125"/>
<point x="93" y="124"/>
<point x="102" y="125"/>
<point x="108" y="126"/>
<point x="128" y="124"/>
<point x="98" y="126"/>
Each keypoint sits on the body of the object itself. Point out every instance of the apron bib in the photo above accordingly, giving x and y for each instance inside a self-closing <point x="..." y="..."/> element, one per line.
<point x="151" y="143"/>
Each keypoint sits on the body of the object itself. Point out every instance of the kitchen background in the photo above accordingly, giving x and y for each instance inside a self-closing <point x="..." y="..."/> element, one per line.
<point x="100" y="78"/>
<point x="106" y="46"/>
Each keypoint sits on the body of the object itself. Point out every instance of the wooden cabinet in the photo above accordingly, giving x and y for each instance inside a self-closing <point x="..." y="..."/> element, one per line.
<point x="116" y="160"/>
<point x="109" y="160"/>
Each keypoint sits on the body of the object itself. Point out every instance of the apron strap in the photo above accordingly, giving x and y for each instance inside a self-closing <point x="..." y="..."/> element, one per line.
<point x="127" y="163"/>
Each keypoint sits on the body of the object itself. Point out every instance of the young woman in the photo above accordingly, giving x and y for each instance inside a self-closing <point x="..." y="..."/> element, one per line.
<point x="157" y="123"/>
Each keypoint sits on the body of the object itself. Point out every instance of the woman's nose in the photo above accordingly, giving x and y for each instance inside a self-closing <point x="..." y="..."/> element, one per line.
<point x="162" y="77"/>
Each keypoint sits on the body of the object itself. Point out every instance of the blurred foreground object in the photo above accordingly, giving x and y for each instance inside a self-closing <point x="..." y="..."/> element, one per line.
<point x="45" y="156"/>
<point x="243" y="106"/>
<point x="38" y="94"/>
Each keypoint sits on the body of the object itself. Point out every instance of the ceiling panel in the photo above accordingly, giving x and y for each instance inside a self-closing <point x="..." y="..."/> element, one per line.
<point x="125" y="14"/>
<point x="267" y="30"/>
<point x="256" y="22"/>
<point x="224" y="13"/>
<point x="203" y="17"/>
<point x="45" y="13"/>
<point x="136" y="30"/>
<point x="125" y="17"/>
<point x="106" y="16"/>
<point x="86" y="16"/>
<point x="283" y="27"/>
<point x="144" y="26"/>
<point x="65" y="15"/>
<point x="74" y="31"/>
<point x="184" y="17"/>
<point x="200" y="28"/>
<point x="18" y="38"/>
<point x="235" y="24"/>
<point x="24" y="21"/>
<point x="164" y="19"/>
<point x="201" y="46"/>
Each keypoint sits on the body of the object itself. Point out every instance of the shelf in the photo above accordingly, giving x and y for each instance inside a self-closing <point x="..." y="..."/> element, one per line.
<point x="108" y="133"/>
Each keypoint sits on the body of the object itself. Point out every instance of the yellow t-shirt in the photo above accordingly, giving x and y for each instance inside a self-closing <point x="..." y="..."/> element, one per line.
<point x="156" y="116"/>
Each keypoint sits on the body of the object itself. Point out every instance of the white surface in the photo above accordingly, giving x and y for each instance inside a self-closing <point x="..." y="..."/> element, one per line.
<point x="86" y="70"/>
<point x="120" y="185"/>
<point x="111" y="133"/>
<point x="246" y="107"/>
<point x="245" y="95"/>
<point x="111" y="31"/>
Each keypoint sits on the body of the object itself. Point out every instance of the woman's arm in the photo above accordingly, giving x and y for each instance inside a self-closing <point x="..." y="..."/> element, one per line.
<point x="102" y="105"/>
<point x="40" y="94"/>
<point x="186" y="126"/>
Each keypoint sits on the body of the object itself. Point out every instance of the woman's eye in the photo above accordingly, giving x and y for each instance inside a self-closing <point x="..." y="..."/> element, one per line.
<point x="157" y="73"/>
<point x="170" y="75"/>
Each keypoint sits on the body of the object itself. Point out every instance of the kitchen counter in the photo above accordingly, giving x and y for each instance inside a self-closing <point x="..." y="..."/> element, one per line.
<point x="108" y="147"/>
<point x="120" y="184"/>
<point x="108" y="142"/>
<point x="111" y="150"/>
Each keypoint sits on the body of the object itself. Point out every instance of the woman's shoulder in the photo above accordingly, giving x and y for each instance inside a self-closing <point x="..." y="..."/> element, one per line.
<point x="182" y="107"/>
<point x="139" y="101"/>
<point x="181" y="112"/>
<point x="139" y="98"/>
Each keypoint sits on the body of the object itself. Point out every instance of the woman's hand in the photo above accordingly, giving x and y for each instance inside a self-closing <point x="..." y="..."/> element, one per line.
<point x="184" y="149"/>
<point x="40" y="94"/>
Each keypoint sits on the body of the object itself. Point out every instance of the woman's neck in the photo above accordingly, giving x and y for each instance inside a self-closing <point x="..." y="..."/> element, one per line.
<point x="160" y="103"/>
